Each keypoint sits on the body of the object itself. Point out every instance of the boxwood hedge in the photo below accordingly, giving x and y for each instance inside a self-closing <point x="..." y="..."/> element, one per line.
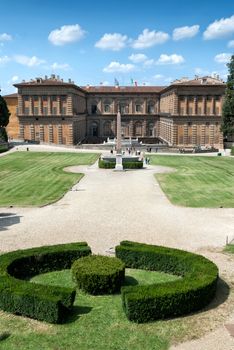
<point x="45" y="303"/>
<point x="105" y="164"/>
<point x="97" y="274"/>
<point x="193" y="291"/>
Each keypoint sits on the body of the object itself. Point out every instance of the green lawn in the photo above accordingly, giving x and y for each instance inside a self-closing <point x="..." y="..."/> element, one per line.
<point x="229" y="248"/>
<point x="37" y="178"/>
<point x="197" y="181"/>
<point x="98" y="322"/>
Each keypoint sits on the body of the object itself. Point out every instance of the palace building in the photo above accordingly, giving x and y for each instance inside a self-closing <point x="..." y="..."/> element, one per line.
<point x="186" y="113"/>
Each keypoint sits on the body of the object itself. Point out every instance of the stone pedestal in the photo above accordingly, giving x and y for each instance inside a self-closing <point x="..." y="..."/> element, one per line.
<point x="119" y="163"/>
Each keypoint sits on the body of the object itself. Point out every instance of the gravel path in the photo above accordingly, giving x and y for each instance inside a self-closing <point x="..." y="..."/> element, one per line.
<point x="107" y="207"/>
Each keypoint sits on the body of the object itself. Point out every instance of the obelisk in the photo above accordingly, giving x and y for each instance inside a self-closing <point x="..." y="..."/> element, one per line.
<point x="119" y="163"/>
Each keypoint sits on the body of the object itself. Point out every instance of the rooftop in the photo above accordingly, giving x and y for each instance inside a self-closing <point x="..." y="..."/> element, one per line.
<point x="123" y="89"/>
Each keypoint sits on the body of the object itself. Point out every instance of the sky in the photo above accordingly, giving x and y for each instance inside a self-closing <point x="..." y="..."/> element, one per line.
<point x="132" y="42"/>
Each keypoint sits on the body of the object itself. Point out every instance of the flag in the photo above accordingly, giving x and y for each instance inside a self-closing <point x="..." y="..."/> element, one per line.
<point x="132" y="81"/>
<point x="116" y="82"/>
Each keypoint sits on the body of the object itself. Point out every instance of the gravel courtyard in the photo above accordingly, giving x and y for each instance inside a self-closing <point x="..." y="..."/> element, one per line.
<point x="107" y="207"/>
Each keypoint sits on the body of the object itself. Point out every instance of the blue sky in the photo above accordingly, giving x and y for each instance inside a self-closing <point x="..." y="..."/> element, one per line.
<point x="151" y="42"/>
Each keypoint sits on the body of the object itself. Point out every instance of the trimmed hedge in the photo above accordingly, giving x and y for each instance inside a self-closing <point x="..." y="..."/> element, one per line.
<point x="104" y="164"/>
<point x="97" y="274"/>
<point x="193" y="291"/>
<point x="44" y="303"/>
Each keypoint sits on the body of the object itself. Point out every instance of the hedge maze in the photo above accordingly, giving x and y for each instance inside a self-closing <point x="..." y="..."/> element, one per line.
<point x="141" y="303"/>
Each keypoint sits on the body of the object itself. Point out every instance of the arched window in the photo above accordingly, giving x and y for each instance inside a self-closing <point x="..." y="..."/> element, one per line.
<point x="138" y="129"/>
<point x="107" y="108"/>
<point x="94" y="129"/>
<point x="151" y="107"/>
<point x="107" y="129"/>
<point x="151" y="129"/>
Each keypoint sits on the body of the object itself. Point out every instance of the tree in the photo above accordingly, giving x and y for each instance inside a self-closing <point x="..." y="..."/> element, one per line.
<point x="227" y="125"/>
<point x="4" y="118"/>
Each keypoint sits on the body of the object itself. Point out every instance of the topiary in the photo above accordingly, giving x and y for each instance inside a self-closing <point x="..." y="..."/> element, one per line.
<point x="97" y="274"/>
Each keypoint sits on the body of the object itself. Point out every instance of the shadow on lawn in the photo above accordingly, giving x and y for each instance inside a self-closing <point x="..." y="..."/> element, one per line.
<point x="76" y="312"/>
<point x="8" y="219"/>
<point x="222" y="294"/>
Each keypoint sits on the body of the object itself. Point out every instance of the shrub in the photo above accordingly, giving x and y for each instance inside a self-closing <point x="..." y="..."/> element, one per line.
<point x="96" y="274"/>
<point x="45" y="303"/>
<point x="105" y="164"/>
<point x="192" y="292"/>
<point x="232" y="151"/>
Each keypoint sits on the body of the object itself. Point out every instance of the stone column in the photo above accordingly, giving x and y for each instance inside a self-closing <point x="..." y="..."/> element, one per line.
<point x="113" y="127"/>
<point x="51" y="138"/>
<point x="213" y="105"/>
<point x="131" y="128"/>
<point x="49" y="105"/>
<point x="58" y="105"/>
<point x="39" y="105"/>
<point x="20" y="105"/>
<point x="195" y="105"/>
<point x="41" y="133"/>
<point x="194" y="134"/>
<point x="211" y="134"/>
<point x="185" y="134"/>
<point x="174" y="135"/>
<point x="118" y="144"/>
<point x="203" y="132"/>
<point x="176" y="104"/>
<point x="70" y="135"/>
<point x="30" y="105"/>
<point x="60" y="135"/>
<point x="69" y="105"/>
<point x="21" y="132"/>
<point x="32" y="132"/>
<point x="204" y="105"/>
<point x="144" y="128"/>
<point x="186" y="105"/>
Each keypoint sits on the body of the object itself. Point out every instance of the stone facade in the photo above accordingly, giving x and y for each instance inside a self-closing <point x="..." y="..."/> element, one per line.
<point x="186" y="113"/>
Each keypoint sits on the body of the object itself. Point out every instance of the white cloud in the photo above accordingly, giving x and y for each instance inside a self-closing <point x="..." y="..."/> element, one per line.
<point x="137" y="58"/>
<point x="28" y="61"/>
<point x="148" y="39"/>
<point x="149" y="63"/>
<point x="4" y="59"/>
<point x="119" y="67"/>
<point x="5" y="37"/>
<point x="66" y="34"/>
<point x="60" y="66"/>
<point x="231" y="44"/>
<point x="105" y="83"/>
<point x="219" y="28"/>
<point x="158" y="76"/>
<point x="185" y="32"/>
<point x="14" y="78"/>
<point x="170" y="59"/>
<point x="114" y="42"/>
<point x="222" y="57"/>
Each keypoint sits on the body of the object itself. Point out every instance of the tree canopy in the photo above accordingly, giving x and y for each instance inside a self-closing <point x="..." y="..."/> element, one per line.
<point x="228" y="105"/>
<point x="4" y="118"/>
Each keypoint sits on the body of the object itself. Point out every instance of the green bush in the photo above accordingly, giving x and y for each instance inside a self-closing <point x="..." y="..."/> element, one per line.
<point x="193" y="291"/>
<point x="45" y="303"/>
<point x="104" y="164"/>
<point x="232" y="151"/>
<point x="3" y="147"/>
<point x="96" y="274"/>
